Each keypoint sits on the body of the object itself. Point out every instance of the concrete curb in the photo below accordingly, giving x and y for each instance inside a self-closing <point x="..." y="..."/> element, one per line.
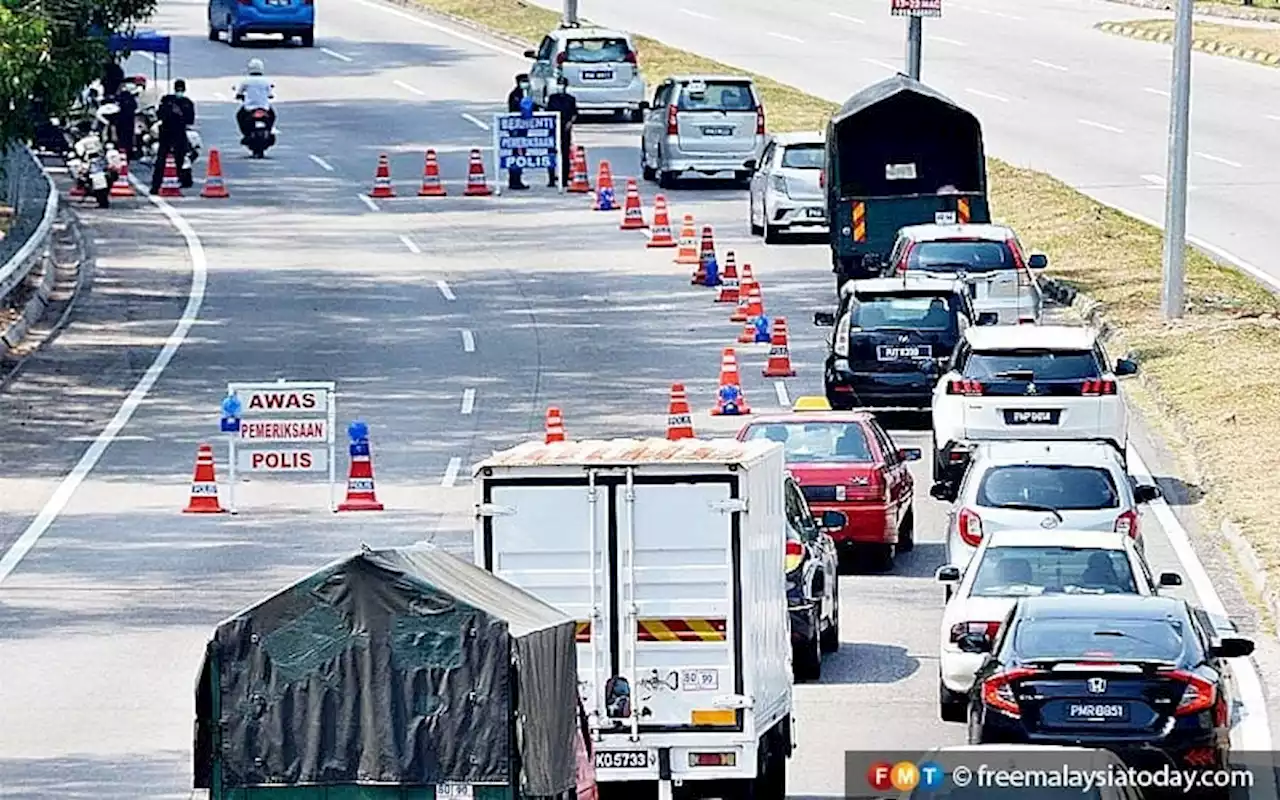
<point x="463" y="22"/>
<point x="1217" y="10"/>
<point x="1203" y="45"/>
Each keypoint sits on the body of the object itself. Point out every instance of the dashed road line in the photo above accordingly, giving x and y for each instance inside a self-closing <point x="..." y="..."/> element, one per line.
<point x="1274" y="117"/>
<point x="847" y="18"/>
<point x="786" y="37"/>
<point x="882" y="64"/>
<point x="468" y="401"/>
<point x="336" y="54"/>
<point x="947" y="40"/>
<point x="324" y="165"/>
<point x="987" y="95"/>
<point x="780" y="390"/>
<point x="1150" y="90"/>
<point x="220" y="97"/>
<point x="1156" y="180"/>
<point x="443" y="286"/>
<point x="409" y="243"/>
<point x="479" y="123"/>
<point x="410" y="89"/>
<point x="1102" y="126"/>
<point x="468" y="341"/>
<point x="1219" y="160"/>
<point x="697" y="14"/>
<point x="451" y="472"/>
<point x="1014" y="17"/>
<point x="1049" y="65"/>
<point x="368" y="201"/>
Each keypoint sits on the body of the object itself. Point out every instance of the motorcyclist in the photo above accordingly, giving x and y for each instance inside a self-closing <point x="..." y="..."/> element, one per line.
<point x="176" y="113"/>
<point x="254" y="93"/>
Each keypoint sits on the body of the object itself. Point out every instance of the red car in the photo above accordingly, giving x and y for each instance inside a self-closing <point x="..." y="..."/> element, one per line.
<point x="846" y="463"/>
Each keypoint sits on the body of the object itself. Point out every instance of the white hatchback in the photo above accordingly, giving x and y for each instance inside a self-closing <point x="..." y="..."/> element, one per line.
<point x="786" y="192"/>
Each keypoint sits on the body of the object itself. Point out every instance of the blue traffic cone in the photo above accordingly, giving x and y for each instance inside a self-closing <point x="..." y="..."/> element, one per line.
<point x="761" y="324"/>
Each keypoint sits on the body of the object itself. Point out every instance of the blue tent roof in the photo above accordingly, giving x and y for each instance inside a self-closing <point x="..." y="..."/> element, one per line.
<point x="139" y="42"/>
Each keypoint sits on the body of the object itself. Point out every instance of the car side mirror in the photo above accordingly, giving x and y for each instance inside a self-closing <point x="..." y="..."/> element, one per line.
<point x="1126" y="366"/>
<point x="1037" y="261"/>
<point x="974" y="643"/>
<point x="945" y="492"/>
<point x="988" y="318"/>
<point x="530" y="53"/>
<point x="1146" y="493"/>
<point x="1232" y="647"/>
<point x="824" y="319"/>
<point x="910" y="453"/>
<point x="1170" y="579"/>
<point x="833" y="520"/>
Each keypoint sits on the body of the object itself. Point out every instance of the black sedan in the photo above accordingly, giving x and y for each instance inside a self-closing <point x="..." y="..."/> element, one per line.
<point x="1142" y="676"/>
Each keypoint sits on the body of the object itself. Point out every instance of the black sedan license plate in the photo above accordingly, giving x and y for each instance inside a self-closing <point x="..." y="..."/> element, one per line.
<point x="716" y="130"/>
<point x="900" y="352"/>
<point x="1098" y="712"/>
<point x="1038" y="416"/>
<point x="622" y="759"/>
<point x="597" y="75"/>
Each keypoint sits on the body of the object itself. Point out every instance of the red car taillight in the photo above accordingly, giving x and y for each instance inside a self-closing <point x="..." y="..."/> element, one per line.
<point x="561" y="58"/>
<point x="1024" y="273"/>
<point x="906" y="255"/>
<point x="794" y="555"/>
<point x="630" y="57"/>
<point x="1200" y="694"/>
<point x="962" y="629"/>
<point x="1095" y="387"/>
<point x="1128" y="523"/>
<point x="870" y="488"/>
<point x="759" y="120"/>
<point x="970" y="525"/>
<point x="672" y="117"/>
<point x="965" y="386"/>
<point x="997" y="691"/>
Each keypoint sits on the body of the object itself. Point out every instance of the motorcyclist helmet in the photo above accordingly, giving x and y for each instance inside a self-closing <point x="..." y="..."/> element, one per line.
<point x="255" y="66"/>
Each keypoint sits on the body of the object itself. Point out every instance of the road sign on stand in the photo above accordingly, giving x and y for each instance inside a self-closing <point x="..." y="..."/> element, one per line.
<point x="527" y="143"/>
<point x="915" y="8"/>
<point x="280" y="428"/>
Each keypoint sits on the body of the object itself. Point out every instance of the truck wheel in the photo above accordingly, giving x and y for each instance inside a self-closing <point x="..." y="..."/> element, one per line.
<point x="806" y="657"/>
<point x="831" y="636"/>
<point x="907" y="532"/>
<point x="952" y="706"/>
<point x="770" y="782"/>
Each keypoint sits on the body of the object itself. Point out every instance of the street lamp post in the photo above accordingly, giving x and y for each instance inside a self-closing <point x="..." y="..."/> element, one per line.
<point x="1173" y="295"/>
<point x="570" y="12"/>
<point x="915" y="29"/>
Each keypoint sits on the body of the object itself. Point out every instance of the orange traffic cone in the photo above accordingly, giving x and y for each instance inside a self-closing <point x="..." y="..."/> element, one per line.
<point x="169" y="186"/>
<point x="382" y="179"/>
<point x="554" y="425"/>
<point x="361" y="495"/>
<point x="214" y="187"/>
<point x="661" y="236"/>
<point x="755" y="309"/>
<point x="75" y="192"/>
<point x="477" y="184"/>
<point x="744" y="286"/>
<point x="123" y="187"/>
<point x="679" y="418"/>
<point x="605" y="200"/>
<point x="431" y="185"/>
<point x="579" y="175"/>
<point x="707" y="272"/>
<point x="779" y="364"/>
<point x="729" y="280"/>
<point x="204" y="485"/>
<point x="730" y="399"/>
<point x="632" y="211"/>
<point x="688" y="252"/>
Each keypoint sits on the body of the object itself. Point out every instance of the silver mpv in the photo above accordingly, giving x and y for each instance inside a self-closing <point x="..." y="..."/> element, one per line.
<point x="704" y="124"/>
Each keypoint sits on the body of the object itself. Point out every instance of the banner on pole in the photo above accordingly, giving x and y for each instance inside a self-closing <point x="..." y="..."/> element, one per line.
<point x="915" y="8"/>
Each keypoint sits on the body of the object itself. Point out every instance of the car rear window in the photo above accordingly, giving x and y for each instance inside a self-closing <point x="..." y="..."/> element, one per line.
<point x="933" y="313"/>
<point x="1023" y="571"/>
<point x="1044" y="365"/>
<point x="595" y="51"/>
<point x="953" y="256"/>
<point x="717" y="96"/>
<point x="804" y="156"/>
<point x="1065" y="488"/>
<point x="1113" y="638"/>
<point x="816" y="442"/>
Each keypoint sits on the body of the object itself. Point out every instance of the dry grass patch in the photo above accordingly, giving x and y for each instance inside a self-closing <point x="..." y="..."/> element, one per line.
<point x="1258" y="38"/>
<point x="1216" y="373"/>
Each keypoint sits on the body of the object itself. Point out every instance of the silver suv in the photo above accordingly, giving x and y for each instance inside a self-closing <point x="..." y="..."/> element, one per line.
<point x="786" y="189"/>
<point x="600" y="65"/>
<point x="705" y="124"/>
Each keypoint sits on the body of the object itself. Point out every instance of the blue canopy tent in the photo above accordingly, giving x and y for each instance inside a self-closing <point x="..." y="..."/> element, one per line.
<point x="147" y="41"/>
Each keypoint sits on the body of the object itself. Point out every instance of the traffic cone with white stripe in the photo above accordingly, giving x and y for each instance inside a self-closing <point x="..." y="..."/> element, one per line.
<point x="708" y="271"/>
<point x="605" y="199"/>
<point x="204" y="485"/>
<point x="679" y="417"/>
<point x="431" y="185"/>
<point x="477" y="184"/>
<point x="632" y="210"/>
<point x="580" y="176"/>
<point x="361" y="495"/>
<point x="382" y="179"/>
<point x="214" y="186"/>
<point x="688" y="252"/>
<point x="739" y="313"/>
<point x="729" y="281"/>
<point x="661" y="235"/>
<point x="169" y="185"/>
<point x="730" y="399"/>
<point x="779" y="364"/>
<point x="755" y="310"/>
<point x="123" y="187"/>
<point x="554" y="425"/>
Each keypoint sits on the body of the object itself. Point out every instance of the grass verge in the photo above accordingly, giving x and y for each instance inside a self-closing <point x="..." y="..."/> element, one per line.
<point x="1247" y="38"/>
<point x="1216" y="373"/>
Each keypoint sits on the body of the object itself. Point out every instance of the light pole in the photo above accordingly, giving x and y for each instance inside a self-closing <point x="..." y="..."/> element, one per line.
<point x="915" y="29"/>
<point x="570" y="13"/>
<point x="1173" y="295"/>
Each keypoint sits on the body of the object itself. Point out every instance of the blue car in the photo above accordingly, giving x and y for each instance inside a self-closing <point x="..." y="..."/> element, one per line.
<point x="288" y="18"/>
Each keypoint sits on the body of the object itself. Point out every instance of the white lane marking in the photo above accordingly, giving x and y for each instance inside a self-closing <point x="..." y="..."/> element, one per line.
<point x="786" y="37"/>
<point x="1274" y="117"/>
<point x="987" y="95"/>
<point x="451" y="472"/>
<point x="468" y="401"/>
<point x="780" y="389"/>
<point x="1219" y="160"/>
<point x="336" y="54"/>
<point x="1253" y="728"/>
<point x="1155" y="179"/>
<point x="407" y="242"/>
<point x="324" y="165"/>
<point x="443" y="286"/>
<point x="468" y="341"/>
<point x="698" y="14"/>
<point x="410" y="89"/>
<point x="847" y="18"/>
<point x="946" y="40"/>
<point x="1102" y="126"/>
<point x="882" y="64"/>
<point x="1003" y="15"/>
<point x="368" y="201"/>
<point x="479" y="123"/>
<point x="67" y="488"/>
<point x="1049" y="65"/>
<point x="220" y="97"/>
<point x="1150" y="90"/>
<point x="426" y="23"/>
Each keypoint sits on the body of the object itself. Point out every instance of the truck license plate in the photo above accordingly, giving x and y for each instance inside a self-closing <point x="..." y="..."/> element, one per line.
<point x="454" y="791"/>
<point x="944" y="218"/>
<point x="622" y="759"/>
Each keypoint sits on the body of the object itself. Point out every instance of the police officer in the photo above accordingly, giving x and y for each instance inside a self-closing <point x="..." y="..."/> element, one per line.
<point x="176" y="113"/>
<point x="518" y="101"/>
<point x="566" y="106"/>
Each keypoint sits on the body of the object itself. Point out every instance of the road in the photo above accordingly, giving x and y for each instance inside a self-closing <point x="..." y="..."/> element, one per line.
<point x="449" y="326"/>
<point x="1053" y="94"/>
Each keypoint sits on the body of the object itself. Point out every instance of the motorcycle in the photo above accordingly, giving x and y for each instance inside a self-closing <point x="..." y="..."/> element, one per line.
<point x="93" y="164"/>
<point x="260" y="136"/>
<point x="151" y="143"/>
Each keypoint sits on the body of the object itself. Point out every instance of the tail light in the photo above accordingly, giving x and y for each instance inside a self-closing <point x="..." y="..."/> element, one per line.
<point x="630" y="57"/>
<point x="260" y="114"/>
<point x="872" y="487"/>
<point x="1024" y="274"/>
<point x="673" y="114"/>
<point x="712" y="759"/>
<point x="970" y="525"/>
<point x="794" y="555"/>
<point x="822" y="179"/>
<point x="965" y="386"/>
<point x="759" y="120"/>
<point x="1095" y="387"/>
<point x="962" y="629"/>
<point x="906" y="256"/>
<point x="561" y="58"/>
<point x="1200" y="694"/>
<point x="1128" y="523"/>
<point x="997" y="691"/>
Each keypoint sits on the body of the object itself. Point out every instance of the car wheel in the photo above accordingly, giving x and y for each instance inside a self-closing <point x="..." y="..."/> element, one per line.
<point x="308" y="38"/>
<point x="939" y="470"/>
<point x="667" y="180"/>
<point x="637" y="115"/>
<point x="756" y="230"/>
<point x="952" y="706"/>
<point x="806" y="657"/>
<point x="235" y="37"/>
<point x="846" y="559"/>
<point x="877" y="557"/>
<point x="907" y="532"/>
<point x="646" y="170"/>
<point x="742" y="178"/>
<point x="831" y="636"/>
<point x="213" y="32"/>
<point x="770" y="232"/>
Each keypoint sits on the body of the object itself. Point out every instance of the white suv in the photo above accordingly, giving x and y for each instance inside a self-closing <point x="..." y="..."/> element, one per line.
<point x="600" y="65"/>
<point x="1038" y="382"/>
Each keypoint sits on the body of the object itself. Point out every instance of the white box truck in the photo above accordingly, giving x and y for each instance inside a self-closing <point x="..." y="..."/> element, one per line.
<point x="669" y="554"/>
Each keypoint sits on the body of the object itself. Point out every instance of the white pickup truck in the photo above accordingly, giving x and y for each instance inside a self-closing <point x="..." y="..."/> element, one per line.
<point x="669" y="554"/>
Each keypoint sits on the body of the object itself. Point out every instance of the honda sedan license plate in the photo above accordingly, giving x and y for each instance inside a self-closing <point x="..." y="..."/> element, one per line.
<point x="1038" y="416"/>
<point x="622" y="759"/>
<point x="597" y="75"/>
<point x="1098" y="712"/>
<point x="717" y="130"/>
<point x="898" y="352"/>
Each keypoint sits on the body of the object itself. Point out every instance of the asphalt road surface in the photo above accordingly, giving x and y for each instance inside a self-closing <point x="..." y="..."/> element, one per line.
<point x="449" y="325"/>
<point x="1053" y="94"/>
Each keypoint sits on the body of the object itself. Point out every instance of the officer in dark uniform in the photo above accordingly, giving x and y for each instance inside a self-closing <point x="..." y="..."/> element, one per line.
<point x="176" y="113"/>
<point x="514" y="100"/>
<point x="566" y="106"/>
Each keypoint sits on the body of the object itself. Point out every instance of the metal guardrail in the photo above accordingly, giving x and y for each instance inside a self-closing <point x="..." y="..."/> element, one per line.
<point x="30" y="191"/>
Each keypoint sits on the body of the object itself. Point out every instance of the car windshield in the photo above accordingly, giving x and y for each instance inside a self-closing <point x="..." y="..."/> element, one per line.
<point x="595" y="51"/>
<point x="1063" y="488"/>
<point x="951" y="256"/>
<point x="717" y="97"/>
<point x="1113" y="638"/>
<point x="817" y="442"/>
<point x="1044" y="365"/>
<point x="1023" y="571"/>
<point x="804" y="156"/>
<point x="933" y="313"/>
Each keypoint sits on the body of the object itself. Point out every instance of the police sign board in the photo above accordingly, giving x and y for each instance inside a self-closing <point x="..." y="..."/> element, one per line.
<point x="283" y="459"/>
<point x="915" y="8"/>
<point x="526" y="142"/>
<point x="282" y="427"/>
<point x="284" y="430"/>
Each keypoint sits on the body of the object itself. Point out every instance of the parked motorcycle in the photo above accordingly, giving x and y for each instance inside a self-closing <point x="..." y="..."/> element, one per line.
<point x="94" y="164"/>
